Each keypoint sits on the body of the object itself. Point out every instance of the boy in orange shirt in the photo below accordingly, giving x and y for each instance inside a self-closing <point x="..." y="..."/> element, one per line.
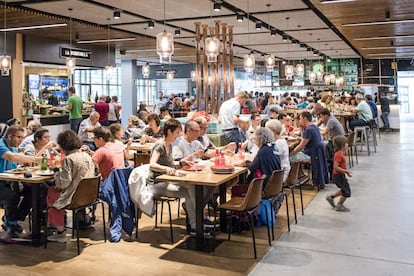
<point x="339" y="175"/>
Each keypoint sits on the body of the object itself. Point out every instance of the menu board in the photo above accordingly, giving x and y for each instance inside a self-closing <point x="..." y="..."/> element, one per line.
<point x="370" y="68"/>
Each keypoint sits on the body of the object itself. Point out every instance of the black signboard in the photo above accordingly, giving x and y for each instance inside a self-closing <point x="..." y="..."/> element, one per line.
<point x="370" y="67"/>
<point x="75" y="52"/>
<point x="386" y="69"/>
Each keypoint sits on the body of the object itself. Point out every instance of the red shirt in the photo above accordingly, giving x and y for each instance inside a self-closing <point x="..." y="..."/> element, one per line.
<point x="103" y="109"/>
<point x="339" y="158"/>
<point x="109" y="157"/>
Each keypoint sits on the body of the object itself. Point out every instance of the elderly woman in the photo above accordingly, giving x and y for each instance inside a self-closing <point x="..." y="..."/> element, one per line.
<point x="153" y="131"/>
<point x="267" y="159"/>
<point x="161" y="162"/>
<point x="281" y="145"/>
<point x="76" y="165"/>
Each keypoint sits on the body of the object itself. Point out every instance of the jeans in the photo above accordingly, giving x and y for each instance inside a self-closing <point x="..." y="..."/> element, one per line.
<point x="74" y="124"/>
<point x="384" y="118"/>
<point x="357" y="122"/>
<point x="232" y="136"/>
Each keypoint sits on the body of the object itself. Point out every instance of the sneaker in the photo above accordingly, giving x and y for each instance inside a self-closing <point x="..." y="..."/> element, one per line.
<point x="331" y="201"/>
<point x="58" y="237"/>
<point x="341" y="208"/>
<point x="14" y="231"/>
<point x="210" y="224"/>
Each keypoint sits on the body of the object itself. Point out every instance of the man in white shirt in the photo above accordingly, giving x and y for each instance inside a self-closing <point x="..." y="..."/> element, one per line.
<point x="229" y="117"/>
<point x="160" y="102"/>
<point x="86" y="130"/>
<point x="363" y="112"/>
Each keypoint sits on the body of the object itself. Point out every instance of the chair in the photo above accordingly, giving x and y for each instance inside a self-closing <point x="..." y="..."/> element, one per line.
<point x="86" y="194"/>
<point x="141" y="158"/>
<point x="362" y="133"/>
<point x="247" y="204"/>
<point x="352" y="150"/>
<point x="168" y="200"/>
<point x="273" y="189"/>
<point x="290" y="183"/>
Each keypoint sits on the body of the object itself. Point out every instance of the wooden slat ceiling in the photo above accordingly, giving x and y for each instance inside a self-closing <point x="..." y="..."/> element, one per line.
<point x="318" y="26"/>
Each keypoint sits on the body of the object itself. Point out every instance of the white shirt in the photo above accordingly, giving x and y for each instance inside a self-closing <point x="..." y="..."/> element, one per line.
<point x="227" y="110"/>
<point x="87" y="135"/>
<point x="283" y="149"/>
<point x="181" y="148"/>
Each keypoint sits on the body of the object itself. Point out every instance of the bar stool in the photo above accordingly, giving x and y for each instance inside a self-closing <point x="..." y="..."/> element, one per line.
<point x="362" y="133"/>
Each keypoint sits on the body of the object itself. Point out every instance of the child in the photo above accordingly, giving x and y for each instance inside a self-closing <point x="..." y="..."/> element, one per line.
<point x="339" y="171"/>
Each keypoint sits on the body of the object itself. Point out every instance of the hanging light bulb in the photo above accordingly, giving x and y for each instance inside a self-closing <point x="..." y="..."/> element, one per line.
<point x="165" y="44"/>
<point x="327" y="79"/>
<point x="270" y="62"/>
<point x="332" y="78"/>
<point x="193" y="75"/>
<point x="340" y="81"/>
<point x="312" y="76"/>
<point x="319" y="75"/>
<point x="249" y="62"/>
<point x="170" y="75"/>
<point x="212" y="48"/>
<point x="70" y="61"/>
<point x="300" y="70"/>
<point x="109" y="70"/>
<point x="289" y="72"/>
<point x="146" y="70"/>
<point x="5" y="60"/>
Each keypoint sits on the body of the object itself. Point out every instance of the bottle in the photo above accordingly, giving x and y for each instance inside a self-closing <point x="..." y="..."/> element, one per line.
<point x="240" y="152"/>
<point x="222" y="160"/>
<point x="43" y="165"/>
<point x="217" y="158"/>
<point x="51" y="162"/>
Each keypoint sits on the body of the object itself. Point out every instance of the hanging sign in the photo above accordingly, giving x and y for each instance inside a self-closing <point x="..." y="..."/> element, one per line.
<point x="75" y="52"/>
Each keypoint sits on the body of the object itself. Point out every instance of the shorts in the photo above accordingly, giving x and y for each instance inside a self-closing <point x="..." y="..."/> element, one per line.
<point x="342" y="183"/>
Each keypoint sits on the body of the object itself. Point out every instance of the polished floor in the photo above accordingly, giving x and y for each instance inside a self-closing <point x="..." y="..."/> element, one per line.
<point x="375" y="238"/>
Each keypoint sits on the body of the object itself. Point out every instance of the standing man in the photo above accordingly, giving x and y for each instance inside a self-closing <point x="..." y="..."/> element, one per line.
<point x="160" y="102"/>
<point x="385" y="111"/>
<point x="10" y="194"/>
<point x="75" y="109"/>
<point x="102" y="107"/>
<point x="229" y="117"/>
<point x="363" y="112"/>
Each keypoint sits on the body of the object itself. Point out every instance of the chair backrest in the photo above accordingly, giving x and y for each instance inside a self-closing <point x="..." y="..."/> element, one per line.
<point x="86" y="193"/>
<point x="274" y="185"/>
<point x="141" y="159"/>
<point x="293" y="174"/>
<point x="254" y="193"/>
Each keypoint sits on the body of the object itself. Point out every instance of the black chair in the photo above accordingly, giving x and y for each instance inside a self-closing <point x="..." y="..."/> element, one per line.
<point x="290" y="183"/>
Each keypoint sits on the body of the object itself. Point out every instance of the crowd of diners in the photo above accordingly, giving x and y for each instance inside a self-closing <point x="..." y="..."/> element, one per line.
<point x="101" y="143"/>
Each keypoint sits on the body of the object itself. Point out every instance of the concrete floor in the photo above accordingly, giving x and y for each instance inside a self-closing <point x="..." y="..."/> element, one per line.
<point x="374" y="238"/>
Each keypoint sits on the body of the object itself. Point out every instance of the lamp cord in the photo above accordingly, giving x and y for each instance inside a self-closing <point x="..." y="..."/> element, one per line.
<point x="5" y="26"/>
<point x="164" y="16"/>
<point x="70" y="30"/>
<point x="109" y="43"/>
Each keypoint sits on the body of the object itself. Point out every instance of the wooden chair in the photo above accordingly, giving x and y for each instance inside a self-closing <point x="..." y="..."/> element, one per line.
<point x="290" y="183"/>
<point x="141" y="159"/>
<point x="352" y="150"/>
<point x="247" y="204"/>
<point x="86" y="195"/>
<point x="273" y="189"/>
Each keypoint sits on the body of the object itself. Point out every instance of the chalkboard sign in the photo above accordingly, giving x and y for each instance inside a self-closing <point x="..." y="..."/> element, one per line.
<point x="386" y="69"/>
<point x="370" y="67"/>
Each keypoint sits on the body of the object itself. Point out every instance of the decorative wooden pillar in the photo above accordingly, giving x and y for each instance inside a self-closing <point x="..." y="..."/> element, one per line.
<point x="210" y="75"/>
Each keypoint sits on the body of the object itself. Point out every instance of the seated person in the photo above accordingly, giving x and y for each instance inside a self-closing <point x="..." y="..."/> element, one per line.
<point x="40" y="144"/>
<point x="117" y="133"/>
<point x="109" y="155"/>
<point x="86" y="128"/>
<point x="273" y="113"/>
<point x="281" y="145"/>
<point x="165" y="114"/>
<point x="286" y="121"/>
<point x="267" y="159"/>
<point x="162" y="162"/>
<point x="75" y="166"/>
<point x="143" y="116"/>
<point x="10" y="194"/>
<point x="153" y="131"/>
<point x="314" y="148"/>
<point x="31" y="128"/>
<point x="133" y="128"/>
<point x="363" y="112"/>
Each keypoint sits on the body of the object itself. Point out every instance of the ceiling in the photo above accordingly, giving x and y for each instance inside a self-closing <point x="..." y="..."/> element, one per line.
<point x="321" y="27"/>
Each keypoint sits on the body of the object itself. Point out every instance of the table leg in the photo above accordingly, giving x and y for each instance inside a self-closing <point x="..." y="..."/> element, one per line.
<point x="36" y="213"/>
<point x="199" y="216"/>
<point x="223" y="219"/>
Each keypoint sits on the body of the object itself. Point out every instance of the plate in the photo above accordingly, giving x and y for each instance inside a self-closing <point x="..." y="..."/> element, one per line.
<point x="222" y="169"/>
<point x="46" y="173"/>
<point x="193" y="167"/>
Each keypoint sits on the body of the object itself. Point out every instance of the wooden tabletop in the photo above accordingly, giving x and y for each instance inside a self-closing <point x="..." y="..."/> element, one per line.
<point x="204" y="177"/>
<point x="36" y="177"/>
<point x="147" y="147"/>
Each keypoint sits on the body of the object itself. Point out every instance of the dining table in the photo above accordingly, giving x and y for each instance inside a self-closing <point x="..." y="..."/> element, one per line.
<point x="200" y="179"/>
<point x="35" y="177"/>
<point x="343" y="116"/>
<point x="146" y="147"/>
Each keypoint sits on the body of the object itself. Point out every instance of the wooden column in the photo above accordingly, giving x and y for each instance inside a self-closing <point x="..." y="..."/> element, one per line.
<point x="198" y="65"/>
<point x="225" y="65"/>
<point x="231" y="61"/>
<point x="17" y="74"/>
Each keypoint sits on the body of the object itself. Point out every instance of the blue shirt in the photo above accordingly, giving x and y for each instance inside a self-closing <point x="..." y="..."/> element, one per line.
<point x="5" y="164"/>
